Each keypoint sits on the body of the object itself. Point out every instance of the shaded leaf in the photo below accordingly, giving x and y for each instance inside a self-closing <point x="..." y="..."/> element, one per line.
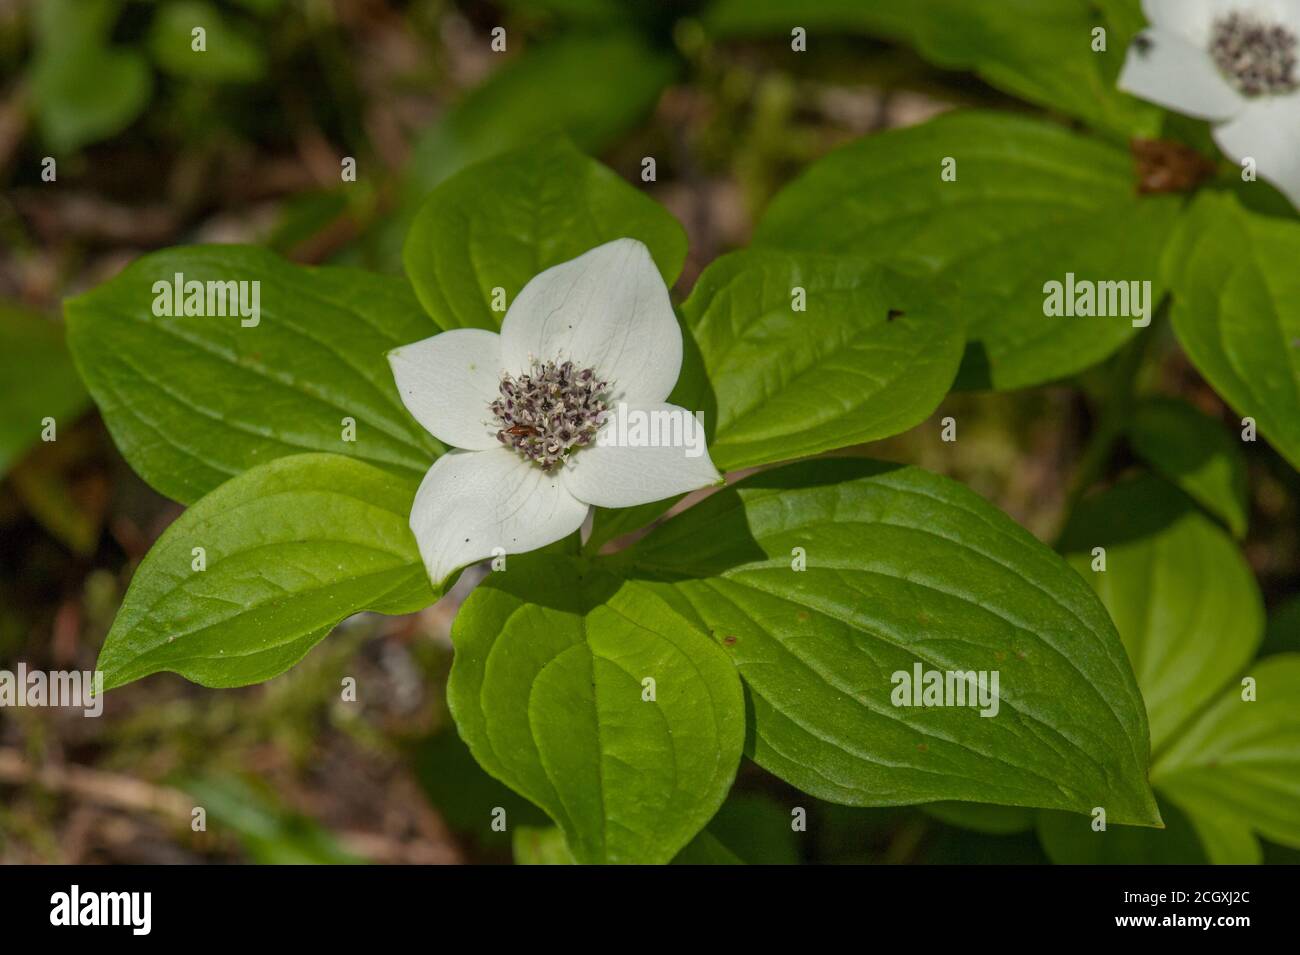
<point x="37" y="381"/>
<point x="1182" y="597"/>
<point x="994" y="820"/>
<point x="1071" y="840"/>
<point x="1194" y="452"/>
<point x="547" y="89"/>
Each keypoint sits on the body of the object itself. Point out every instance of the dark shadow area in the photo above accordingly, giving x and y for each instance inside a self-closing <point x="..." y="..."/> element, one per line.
<point x="1132" y="510"/>
<point x="974" y="373"/>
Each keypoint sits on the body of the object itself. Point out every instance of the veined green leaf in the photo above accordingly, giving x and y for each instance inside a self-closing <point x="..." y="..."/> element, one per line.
<point x="803" y="353"/>
<point x="256" y="573"/>
<point x="499" y="223"/>
<point x="1032" y="204"/>
<point x="826" y="580"/>
<point x="194" y="399"/>
<point x="1240" y="760"/>
<point x="549" y="689"/>
<point x="1182" y="597"/>
<point x="1237" y="311"/>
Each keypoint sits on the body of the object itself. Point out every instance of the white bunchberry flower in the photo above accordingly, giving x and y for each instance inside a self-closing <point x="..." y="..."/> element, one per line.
<point x="1233" y="62"/>
<point x="532" y="409"/>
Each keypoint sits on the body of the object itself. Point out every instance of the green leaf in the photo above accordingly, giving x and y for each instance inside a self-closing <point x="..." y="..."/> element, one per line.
<point x="867" y="356"/>
<point x="905" y="567"/>
<point x="499" y="223"/>
<point x="83" y="89"/>
<point x="290" y="548"/>
<point x="1240" y="761"/>
<point x="269" y="833"/>
<point x="1071" y="840"/>
<point x="541" y="845"/>
<point x="1237" y="311"/>
<point x="1182" y="597"/>
<point x="229" y="56"/>
<point x="1190" y="613"/>
<point x="1193" y="451"/>
<point x="546" y="846"/>
<point x="192" y="400"/>
<point x="37" y="381"/>
<point x="992" y="820"/>
<point x="756" y="829"/>
<point x="548" y="89"/>
<point x="706" y="849"/>
<point x="465" y="796"/>
<point x="1227" y="841"/>
<point x="1032" y="204"/>
<point x="1125" y="18"/>
<point x="1040" y="50"/>
<point x="547" y="689"/>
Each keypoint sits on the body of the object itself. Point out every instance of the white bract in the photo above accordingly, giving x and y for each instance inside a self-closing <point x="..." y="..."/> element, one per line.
<point x="1235" y="63"/>
<point x="528" y="407"/>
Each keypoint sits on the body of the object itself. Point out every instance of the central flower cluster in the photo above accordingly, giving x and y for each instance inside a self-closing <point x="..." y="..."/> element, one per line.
<point x="549" y="411"/>
<point x="1255" y="56"/>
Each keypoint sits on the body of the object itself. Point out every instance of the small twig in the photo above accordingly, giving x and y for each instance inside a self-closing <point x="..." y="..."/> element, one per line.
<point x="93" y="785"/>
